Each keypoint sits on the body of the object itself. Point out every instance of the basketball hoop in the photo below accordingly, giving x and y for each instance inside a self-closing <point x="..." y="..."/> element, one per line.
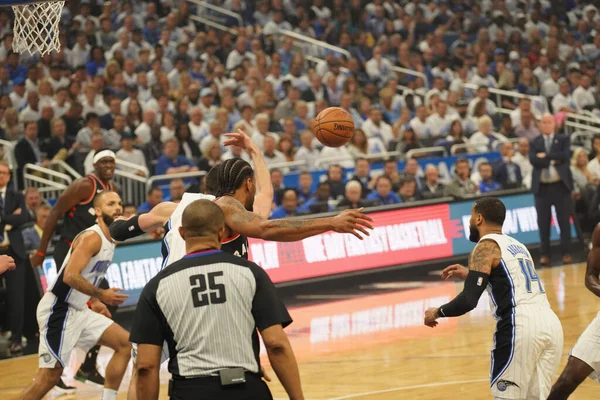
<point x="37" y="26"/>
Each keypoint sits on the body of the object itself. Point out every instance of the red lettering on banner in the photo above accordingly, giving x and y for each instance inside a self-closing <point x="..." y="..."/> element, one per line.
<point x="400" y="236"/>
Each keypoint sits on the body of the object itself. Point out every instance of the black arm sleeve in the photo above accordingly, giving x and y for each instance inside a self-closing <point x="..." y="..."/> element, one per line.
<point x="267" y="308"/>
<point x="122" y="230"/>
<point x="467" y="300"/>
<point x="148" y="326"/>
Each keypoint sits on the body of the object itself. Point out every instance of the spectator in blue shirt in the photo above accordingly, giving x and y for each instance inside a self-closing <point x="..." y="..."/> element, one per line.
<point x="15" y="70"/>
<point x="319" y="200"/>
<point x="383" y="192"/>
<point x="305" y="190"/>
<point x="154" y="197"/>
<point x="487" y="183"/>
<point x="289" y="205"/>
<point x="171" y="162"/>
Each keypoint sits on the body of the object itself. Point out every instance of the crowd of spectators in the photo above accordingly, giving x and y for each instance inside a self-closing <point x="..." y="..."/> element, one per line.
<point x="147" y="81"/>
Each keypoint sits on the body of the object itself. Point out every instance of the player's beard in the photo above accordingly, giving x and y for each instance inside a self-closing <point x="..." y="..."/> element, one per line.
<point x="474" y="235"/>
<point x="107" y="219"/>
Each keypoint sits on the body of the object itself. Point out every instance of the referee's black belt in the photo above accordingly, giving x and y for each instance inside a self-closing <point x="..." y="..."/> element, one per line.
<point x="180" y="382"/>
<point x="203" y="379"/>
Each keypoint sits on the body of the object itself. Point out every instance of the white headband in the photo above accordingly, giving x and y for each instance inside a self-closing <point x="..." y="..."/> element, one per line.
<point x="103" y="154"/>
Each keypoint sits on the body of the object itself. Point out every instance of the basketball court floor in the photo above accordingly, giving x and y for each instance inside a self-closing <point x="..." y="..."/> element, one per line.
<point x="367" y="341"/>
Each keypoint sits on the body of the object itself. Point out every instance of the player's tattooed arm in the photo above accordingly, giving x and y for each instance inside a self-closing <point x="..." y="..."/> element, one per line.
<point x="249" y="224"/>
<point x="485" y="256"/>
<point x="592" y="273"/>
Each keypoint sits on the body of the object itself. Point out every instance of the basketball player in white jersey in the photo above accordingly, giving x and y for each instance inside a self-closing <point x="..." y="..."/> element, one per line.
<point x="529" y="337"/>
<point x="584" y="359"/>
<point x="63" y="314"/>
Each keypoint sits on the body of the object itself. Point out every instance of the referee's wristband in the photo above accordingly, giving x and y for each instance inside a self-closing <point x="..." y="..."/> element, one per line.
<point x="40" y="253"/>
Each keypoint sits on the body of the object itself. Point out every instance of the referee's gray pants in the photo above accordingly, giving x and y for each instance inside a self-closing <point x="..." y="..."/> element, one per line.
<point x="210" y="388"/>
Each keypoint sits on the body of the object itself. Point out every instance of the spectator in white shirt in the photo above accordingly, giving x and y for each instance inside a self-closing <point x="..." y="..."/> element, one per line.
<point x="439" y="122"/>
<point x="238" y="54"/>
<point x="125" y="46"/>
<point x="483" y="78"/>
<point x="420" y="124"/>
<point x="483" y="94"/>
<point x="524" y="104"/>
<point x="379" y="68"/>
<point x="521" y="158"/>
<point x="32" y="112"/>
<point x="336" y="155"/>
<point x="271" y="155"/>
<point x="550" y="86"/>
<point x="563" y="101"/>
<point x="132" y="155"/>
<point x="486" y="140"/>
<point x="92" y="102"/>
<point x="584" y="95"/>
<point x="375" y="127"/>
<point x="307" y="152"/>
<point x="129" y="74"/>
<point x="60" y="105"/>
<point x="261" y="121"/>
<point x="592" y="50"/>
<point x="439" y="88"/>
<point x="80" y="53"/>
<point x="215" y="131"/>
<point x="207" y="98"/>
<point x="96" y="142"/>
<point x="198" y="127"/>
<point x="542" y="71"/>
<point x="526" y="128"/>
<point x="278" y="22"/>
<point x="142" y="132"/>
<point x="18" y="96"/>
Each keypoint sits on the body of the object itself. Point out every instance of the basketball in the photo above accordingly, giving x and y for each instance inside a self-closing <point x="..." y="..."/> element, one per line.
<point x="334" y="127"/>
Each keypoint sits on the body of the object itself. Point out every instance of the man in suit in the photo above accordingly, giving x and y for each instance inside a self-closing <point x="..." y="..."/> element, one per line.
<point x="552" y="184"/>
<point x="27" y="150"/>
<point x="432" y="187"/>
<point x="13" y="215"/>
<point x="362" y="175"/>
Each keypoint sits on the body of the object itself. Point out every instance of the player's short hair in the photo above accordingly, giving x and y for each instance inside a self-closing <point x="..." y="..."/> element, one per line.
<point x="202" y="218"/>
<point x="492" y="209"/>
<point x="211" y="180"/>
<point x="100" y="197"/>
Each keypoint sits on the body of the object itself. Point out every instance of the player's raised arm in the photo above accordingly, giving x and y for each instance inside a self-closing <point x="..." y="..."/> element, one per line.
<point x="85" y="247"/>
<point x="592" y="280"/>
<point x="284" y="230"/>
<point x="123" y="229"/>
<point x="79" y="191"/>
<point x="264" y="188"/>
<point x="484" y="257"/>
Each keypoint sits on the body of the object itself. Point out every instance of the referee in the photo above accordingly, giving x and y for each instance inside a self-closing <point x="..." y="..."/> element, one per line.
<point x="208" y="307"/>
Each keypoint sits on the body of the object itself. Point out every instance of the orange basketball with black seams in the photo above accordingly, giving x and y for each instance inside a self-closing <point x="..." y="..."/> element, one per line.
<point x="334" y="127"/>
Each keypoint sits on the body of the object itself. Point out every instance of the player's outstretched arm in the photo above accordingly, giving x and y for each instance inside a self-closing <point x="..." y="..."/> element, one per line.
<point x="485" y="256"/>
<point x="79" y="191"/>
<point x="84" y="248"/>
<point x="284" y="230"/>
<point x="592" y="273"/>
<point x="123" y="229"/>
<point x="264" y="188"/>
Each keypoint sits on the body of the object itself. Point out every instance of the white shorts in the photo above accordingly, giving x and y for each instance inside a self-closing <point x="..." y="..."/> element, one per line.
<point x="62" y="328"/>
<point x="587" y="348"/>
<point x="164" y="355"/>
<point x="527" y="354"/>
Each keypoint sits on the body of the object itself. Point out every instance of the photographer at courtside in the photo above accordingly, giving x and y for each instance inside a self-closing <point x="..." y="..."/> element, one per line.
<point x="208" y="307"/>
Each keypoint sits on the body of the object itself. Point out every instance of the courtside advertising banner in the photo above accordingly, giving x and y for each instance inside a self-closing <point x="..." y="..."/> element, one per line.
<point x="401" y="236"/>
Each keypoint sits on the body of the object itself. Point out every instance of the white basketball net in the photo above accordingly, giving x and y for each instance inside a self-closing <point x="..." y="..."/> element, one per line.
<point x="37" y="27"/>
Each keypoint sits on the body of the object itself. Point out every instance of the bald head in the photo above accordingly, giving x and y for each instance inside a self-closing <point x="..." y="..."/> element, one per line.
<point x="547" y="124"/>
<point x="202" y="220"/>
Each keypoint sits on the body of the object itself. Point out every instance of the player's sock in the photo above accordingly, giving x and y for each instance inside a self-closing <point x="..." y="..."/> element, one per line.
<point x="89" y="365"/>
<point x="109" y="394"/>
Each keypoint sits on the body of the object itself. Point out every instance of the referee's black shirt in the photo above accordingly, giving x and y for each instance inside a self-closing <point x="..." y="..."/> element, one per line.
<point x="207" y="307"/>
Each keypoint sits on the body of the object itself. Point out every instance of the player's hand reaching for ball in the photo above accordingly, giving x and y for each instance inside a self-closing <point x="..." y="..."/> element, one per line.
<point x="352" y="221"/>
<point x="112" y="297"/>
<point x="455" y="271"/>
<point x="240" y="139"/>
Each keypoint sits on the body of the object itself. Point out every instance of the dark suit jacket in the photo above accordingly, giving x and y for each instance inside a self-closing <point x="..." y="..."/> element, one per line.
<point x="24" y="154"/>
<point x="308" y="95"/>
<point x="501" y="174"/>
<point x="560" y="152"/>
<point x="106" y="121"/>
<point x="365" y="188"/>
<point x="13" y="201"/>
<point x="432" y="194"/>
